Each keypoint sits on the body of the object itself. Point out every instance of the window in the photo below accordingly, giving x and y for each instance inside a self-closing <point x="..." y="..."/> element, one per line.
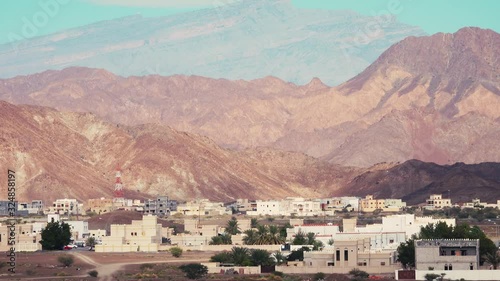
<point x="330" y="263"/>
<point x="446" y="267"/>
<point x="346" y="255"/>
<point x="337" y="255"/>
<point x="450" y="267"/>
<point x="452" y="252"/>
<point x="463" y="252"/>
<point x="382" y="263"/>
<point x="391" y="241"/>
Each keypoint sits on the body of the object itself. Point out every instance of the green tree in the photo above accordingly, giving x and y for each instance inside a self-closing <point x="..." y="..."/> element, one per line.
<point x="55" y="236"/>
<point x="250" y="237"/>
<point x="492" y="259"/>
<point x="65" y="260"/>
<point x="90" y="242"/>
<point x="232" y="226"/>
<point x="240" y="256"/>
<point x="300" y="238"/>
<point x="254" y="222"/>
<point x="279" y="257"/>
<point x="194" y="270"/>
<point x="261" y="257"/>
<point x="223" y="239"/>
<point x="406" y="253"/>
<point x="440" y="230"/>
<point x="297" y="254"/>
<point x="176" y="251"/>
<point x="222" y="257"/>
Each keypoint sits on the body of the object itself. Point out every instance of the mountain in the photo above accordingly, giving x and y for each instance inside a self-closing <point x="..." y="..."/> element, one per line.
<point x="409" y="104"/>
<point x="246" y="39"/>
<point x="413" y="181"/>
<point x="74" y="155"/>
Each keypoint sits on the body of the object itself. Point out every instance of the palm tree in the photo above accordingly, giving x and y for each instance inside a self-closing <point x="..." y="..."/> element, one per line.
<point x="300" y="238"/>
<point x="275" y="237"/>
<point x="310" y="238"/>
<point x="250" y="237"/>
<point x="232" y="226"/>
<point x="262" y="235"/>
<point x="254" y="222"/>
<point x="240" y="255"/>
<point x="280" y="258"/>
<point x="493" y="259"/>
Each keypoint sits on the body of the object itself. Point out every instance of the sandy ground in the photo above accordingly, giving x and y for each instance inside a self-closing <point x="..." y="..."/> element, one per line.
<point x="44" y="265"/>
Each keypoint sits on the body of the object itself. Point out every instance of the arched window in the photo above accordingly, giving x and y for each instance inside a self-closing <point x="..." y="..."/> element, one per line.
<point x="446" y="267"/>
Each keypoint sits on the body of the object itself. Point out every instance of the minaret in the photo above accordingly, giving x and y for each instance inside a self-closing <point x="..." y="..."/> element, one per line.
<point x="118" y="192"/>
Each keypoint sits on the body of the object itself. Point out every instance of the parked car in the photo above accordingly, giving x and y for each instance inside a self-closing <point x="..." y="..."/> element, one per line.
<point x="67" y="247"/>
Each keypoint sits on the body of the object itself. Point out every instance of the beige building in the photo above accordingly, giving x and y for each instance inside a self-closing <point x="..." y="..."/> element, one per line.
<point x="66" y="207"/>
<point x="369" y="204"/>
<point x="139" y="236"/>
<point x="436" y="201"/>
<point x="344" y="256"/>
<point x="202" y="207"/>
<point x="27" y="238"/>
<point x="447" y="254"/>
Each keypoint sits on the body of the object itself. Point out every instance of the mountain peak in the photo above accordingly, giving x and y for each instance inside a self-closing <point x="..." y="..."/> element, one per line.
<point x="316" y="84"/>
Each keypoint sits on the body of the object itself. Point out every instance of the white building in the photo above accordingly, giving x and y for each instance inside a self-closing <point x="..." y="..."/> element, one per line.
<point x="323" y="232"/>
<point x="436" y="201"/>
<point x="79" y="229"/>
<point x="407" y="223"/>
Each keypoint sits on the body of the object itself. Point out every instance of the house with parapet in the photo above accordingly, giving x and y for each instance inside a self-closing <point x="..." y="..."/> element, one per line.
<point x="140" y="236"/>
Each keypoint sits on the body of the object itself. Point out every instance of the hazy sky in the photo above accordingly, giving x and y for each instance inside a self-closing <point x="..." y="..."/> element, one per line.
<point x="49" y="16"/>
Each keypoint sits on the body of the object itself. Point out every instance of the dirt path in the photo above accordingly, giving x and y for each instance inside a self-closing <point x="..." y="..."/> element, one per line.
<point x="106" y="271"/>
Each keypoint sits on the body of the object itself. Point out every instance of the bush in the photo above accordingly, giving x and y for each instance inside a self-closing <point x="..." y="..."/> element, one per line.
<point x="319" y="276"/>
<point x="278" y="273"/>
<point x="65" y="260"/>
<point x="359" y="274"/>
<point x="176" y="252"/>
<point x="194" y="270"/>
<point x="431" y="276"/>
<point x="93" y="273"/>
<point x="145" y="266"/>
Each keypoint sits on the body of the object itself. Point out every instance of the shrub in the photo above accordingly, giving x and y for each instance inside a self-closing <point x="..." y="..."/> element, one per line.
<point x="319" y="276"/>
<point x="279" y="273"/>
<point x="359" y="274"/>
<point x="65" y="260"/>
<point x="93" y="273"/>
<point x="176" y="251"/>
<point x="194" y="270"/>
<point x="145" y="266"/>
<point x="431" y="276"/>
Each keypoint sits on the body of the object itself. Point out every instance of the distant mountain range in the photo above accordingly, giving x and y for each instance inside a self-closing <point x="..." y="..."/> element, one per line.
<point x="73" y="155"/>
<point x="246" y="39"/>
<point x="433" y="98"/>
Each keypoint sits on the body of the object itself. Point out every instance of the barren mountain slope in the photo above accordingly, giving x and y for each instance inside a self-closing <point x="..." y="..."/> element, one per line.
<point x="61" y="154"/>
<point x="414" y="97"/>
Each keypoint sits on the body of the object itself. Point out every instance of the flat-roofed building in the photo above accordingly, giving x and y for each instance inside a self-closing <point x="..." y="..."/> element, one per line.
<point x="447" y="254"/>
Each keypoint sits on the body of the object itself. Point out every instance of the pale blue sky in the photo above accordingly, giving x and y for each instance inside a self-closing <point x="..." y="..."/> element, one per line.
<point x="55" y="15"/>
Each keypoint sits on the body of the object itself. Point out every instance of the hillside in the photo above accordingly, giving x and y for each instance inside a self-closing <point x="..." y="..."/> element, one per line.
<point x="73" y="155"/>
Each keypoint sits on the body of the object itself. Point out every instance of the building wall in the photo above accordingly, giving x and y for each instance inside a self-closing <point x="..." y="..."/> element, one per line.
<point x="26" y="238"/>
<point x="214" y="268"/>
<point x="441" y="254"/>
